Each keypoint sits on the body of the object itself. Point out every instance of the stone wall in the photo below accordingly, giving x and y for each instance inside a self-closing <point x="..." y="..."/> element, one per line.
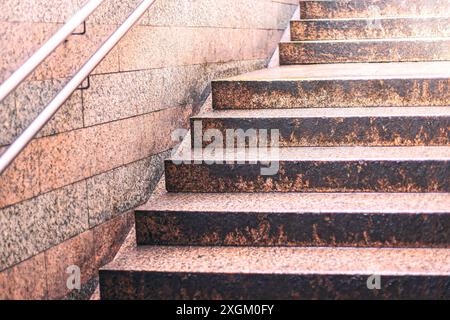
<point x="67" y="199"/>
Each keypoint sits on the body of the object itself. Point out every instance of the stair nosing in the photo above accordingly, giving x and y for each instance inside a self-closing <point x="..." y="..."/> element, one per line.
<point x="432" y="17"/>
<point x="285" y="264"/>
<point x="323" y="154"/>
<point x="340" y="72"/>
<point x="374" y="40"/>
<point x="310" y="203"/>
<point x="323" y="112"/>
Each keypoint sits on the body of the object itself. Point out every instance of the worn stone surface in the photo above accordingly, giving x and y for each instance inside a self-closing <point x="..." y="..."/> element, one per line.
<point x="187" y="46"/>
<point x="221" y="13"/>
<point x="101" y="135"/>
<point x="289" y="219"/>
<point x="40" y="223"/>
<point x="337" y="85"/>
<point x="340" y="29"/>
<point x="86" y="291"/>
<point x="189" y="286"/>
<point x="373" y="8"/>
<point x="33" y="96"/>
<point x="295" y="273"/>
<point x="309" y="169"/>
<point x="380" y="50"/>
<point x="39" y="11"/>
<point x="335" y="127"/>
<point x="64" y="61"/>
<point x="29" y="99"/>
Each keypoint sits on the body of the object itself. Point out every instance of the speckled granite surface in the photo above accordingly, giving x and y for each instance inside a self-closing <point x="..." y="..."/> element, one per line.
<point x="318" y="9"/>
<point x="277" y="273"/>
<point x="290" y="219"/>
<point x="379" y="50"/>
<point x="337" y="86"/>
<point x="336" y="127"/>
<point x="62" y="199"/>
<point x="239" y="234"/>
<point x="309" y="169"/>
<point x="285" y="260"/>
<point x="370" y="28"/>
<point x="294" y="202"/>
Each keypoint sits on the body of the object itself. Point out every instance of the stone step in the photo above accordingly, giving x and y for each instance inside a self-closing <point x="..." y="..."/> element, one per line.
<point x="337" y="85"/>
<point x="368" y="50"/>
<point x="293" y="219"/>
<point x="318" y="9"/>
<point x="342" y="29"/>
<point x="156" y="272"/>
<point x="376" y="126"/>
<point x="311" y="169"/>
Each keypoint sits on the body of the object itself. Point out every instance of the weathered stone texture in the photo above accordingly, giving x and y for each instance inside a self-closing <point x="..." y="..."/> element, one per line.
<point x="336" y="126"/>
<point x="145" y="88"/>
<point x="311" y="52"/>
<point x="359" y="188"/>
<point x="295" y="219"/>
<point x="338" y="29"/>
<point x="275" y="273"/>
<point x="337" y="86"/>
<point x="390" y="175"/>
<point x="373" y="8"/>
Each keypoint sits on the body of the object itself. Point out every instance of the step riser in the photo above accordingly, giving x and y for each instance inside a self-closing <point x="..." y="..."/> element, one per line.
<point x="311" y="176"/>
<point x="357" y="131"/>
<point x="367" y="9"/>
<point x="158" y="285"/>
<point x="367" y="51"/>
<point x="290" y="229"/>
<point x="369" y="29"/>
<point x="330" y="93"/>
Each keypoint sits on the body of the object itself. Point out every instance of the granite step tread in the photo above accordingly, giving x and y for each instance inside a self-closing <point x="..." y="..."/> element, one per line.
<point x="289" y="219"/>
<point x="404" y="84"/>
<point x="355" y="71"/>
<point x="433" y="111"/>
<point x="364" y="50"/>
<point x="356" y="203"/>
<point x="352" y="261"/>
<point x="380" y="126"/>
<point x="370" y="28"/>
<point x="152" y="272"/>
<point x="328" y="154"/>
<point x="310" y="169"/>
<point x="317" y="9"/>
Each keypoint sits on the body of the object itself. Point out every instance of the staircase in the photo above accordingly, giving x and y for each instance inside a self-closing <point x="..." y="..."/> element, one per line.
<point x="362" y="188"/>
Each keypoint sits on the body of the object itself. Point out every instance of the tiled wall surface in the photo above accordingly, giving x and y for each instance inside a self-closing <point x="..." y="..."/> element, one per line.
<point x="68" y="198"/>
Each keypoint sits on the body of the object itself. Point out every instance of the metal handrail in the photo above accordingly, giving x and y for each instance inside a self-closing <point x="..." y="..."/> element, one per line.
<point x="40" y="55"/>
<point x="22" y="141"/>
